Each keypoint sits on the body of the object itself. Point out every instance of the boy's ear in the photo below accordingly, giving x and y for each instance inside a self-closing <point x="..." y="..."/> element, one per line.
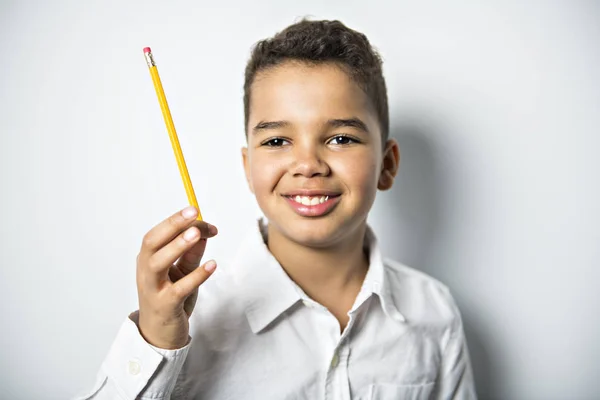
<point x="389" y="165"/>
<point x="247" y="167"/>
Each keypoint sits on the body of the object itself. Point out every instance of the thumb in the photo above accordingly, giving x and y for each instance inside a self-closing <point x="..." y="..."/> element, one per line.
<point x="206" y="230"/>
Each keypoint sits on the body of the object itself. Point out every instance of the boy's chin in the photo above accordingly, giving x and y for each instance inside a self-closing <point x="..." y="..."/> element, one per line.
<point x="315" y="233"/>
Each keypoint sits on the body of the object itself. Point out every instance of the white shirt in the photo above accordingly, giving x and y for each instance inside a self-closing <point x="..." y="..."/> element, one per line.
<point x="256" y="335"/>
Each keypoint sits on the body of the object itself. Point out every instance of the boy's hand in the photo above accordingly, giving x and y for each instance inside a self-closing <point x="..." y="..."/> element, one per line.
<point x="168" y="277"/>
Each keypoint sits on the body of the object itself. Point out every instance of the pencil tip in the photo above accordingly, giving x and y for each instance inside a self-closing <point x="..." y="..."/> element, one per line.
<point x="147" y="50"/>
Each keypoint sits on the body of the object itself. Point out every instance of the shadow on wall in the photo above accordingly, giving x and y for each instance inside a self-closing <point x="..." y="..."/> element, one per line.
<point x="414" y="211"/>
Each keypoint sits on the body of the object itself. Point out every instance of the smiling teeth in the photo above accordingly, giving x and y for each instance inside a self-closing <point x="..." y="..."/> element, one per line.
<point x="310" y="201"/>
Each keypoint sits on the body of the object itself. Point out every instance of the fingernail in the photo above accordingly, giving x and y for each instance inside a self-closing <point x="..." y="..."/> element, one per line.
<point x="190" y="234"/>
<point x="189" y="212"/>
<point x="210" y="266"/>
<point x="212" y="229"/>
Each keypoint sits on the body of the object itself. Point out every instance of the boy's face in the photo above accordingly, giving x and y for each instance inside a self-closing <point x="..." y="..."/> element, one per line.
<point x="314" y="159"/>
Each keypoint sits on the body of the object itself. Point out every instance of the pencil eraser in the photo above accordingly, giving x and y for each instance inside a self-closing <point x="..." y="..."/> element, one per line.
<point x="147" y="50"/>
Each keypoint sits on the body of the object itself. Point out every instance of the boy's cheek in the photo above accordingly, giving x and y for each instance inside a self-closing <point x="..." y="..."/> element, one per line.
<point x="247" y="169"/>
<point x="261" y="182"/>
<point x="367" y="180"/>
<point x="358" y="171"/>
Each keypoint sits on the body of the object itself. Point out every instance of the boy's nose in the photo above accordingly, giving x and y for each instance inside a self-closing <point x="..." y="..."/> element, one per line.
<point x="309" y="163"/>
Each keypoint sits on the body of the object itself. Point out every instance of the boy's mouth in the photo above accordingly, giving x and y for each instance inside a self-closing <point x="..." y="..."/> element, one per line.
<point x="314" y="204"/>
<point x="309" y="200"/>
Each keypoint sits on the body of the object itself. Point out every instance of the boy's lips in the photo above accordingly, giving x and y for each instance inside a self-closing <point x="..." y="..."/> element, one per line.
<point x="312" y="203"/>
<point x="311" y="192"/>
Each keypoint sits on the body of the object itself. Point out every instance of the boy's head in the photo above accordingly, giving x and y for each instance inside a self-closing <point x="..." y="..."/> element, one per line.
<point x="318" y="42"/>
<point x="317" y="125"/>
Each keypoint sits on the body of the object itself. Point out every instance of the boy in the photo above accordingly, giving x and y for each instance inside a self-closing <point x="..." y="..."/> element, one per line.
<point x="308" y="309"/>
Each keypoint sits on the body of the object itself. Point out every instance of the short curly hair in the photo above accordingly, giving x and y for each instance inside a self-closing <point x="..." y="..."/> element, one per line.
<point x="315" y="42"/>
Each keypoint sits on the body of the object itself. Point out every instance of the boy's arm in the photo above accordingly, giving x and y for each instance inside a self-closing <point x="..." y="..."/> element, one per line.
<point x="134" y="369"/>
<point x="455" y="380"/>
<point x="456" y="376"/>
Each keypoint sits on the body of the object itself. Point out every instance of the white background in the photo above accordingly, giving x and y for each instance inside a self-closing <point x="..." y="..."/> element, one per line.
<point x="496" y="106"/>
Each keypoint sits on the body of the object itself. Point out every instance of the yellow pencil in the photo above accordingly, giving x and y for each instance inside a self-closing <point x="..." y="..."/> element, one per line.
<point x="162" y="100"/>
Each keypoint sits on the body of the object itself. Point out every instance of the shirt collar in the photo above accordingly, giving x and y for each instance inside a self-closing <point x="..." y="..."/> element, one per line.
<point x="261" y="282"/>
<point x="268" y="291"/>
<point x="377" y="280"/>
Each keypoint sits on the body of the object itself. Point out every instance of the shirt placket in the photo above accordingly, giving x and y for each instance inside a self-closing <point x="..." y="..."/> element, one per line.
<point x="337" y="384"/>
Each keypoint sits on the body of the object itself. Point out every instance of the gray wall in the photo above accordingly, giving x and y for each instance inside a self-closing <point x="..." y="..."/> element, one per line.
<point x="496" y="107"/>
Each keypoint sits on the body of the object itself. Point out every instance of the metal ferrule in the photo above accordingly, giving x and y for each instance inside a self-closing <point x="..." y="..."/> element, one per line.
<point x="149" y="60"/>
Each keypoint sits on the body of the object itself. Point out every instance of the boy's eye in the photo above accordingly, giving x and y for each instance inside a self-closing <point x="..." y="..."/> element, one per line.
<point x="275" y="142"/>
<point x="342" y="140"/>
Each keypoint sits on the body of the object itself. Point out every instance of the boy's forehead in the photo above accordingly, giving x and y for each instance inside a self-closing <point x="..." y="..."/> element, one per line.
<point x="300" y="92"/>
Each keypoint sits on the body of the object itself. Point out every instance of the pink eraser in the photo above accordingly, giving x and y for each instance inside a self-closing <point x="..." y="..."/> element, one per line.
<point x="147" y="50"/>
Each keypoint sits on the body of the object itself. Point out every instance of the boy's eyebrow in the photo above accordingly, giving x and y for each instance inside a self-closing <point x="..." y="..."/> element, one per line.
<point x="334" y="123"/>
<point x="350" y="122"/>
<point x="265" y="125"/>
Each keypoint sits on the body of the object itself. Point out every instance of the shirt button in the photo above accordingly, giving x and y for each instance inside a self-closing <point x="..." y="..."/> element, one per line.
<point x="307" y="303"/>
<point x="134" y="367"/>
<point x="335" y="360"/>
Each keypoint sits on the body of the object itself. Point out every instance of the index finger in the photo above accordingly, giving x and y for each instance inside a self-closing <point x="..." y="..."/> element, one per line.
<point x="167" y="230"/>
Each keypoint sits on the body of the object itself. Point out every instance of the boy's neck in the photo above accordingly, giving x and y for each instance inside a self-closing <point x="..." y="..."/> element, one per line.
<point x="331" y="276"/>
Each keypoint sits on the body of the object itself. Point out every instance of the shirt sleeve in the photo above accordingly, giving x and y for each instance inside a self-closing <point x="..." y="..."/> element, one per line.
<point x="456" y="376"/>
<point x="134" y="369"/>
